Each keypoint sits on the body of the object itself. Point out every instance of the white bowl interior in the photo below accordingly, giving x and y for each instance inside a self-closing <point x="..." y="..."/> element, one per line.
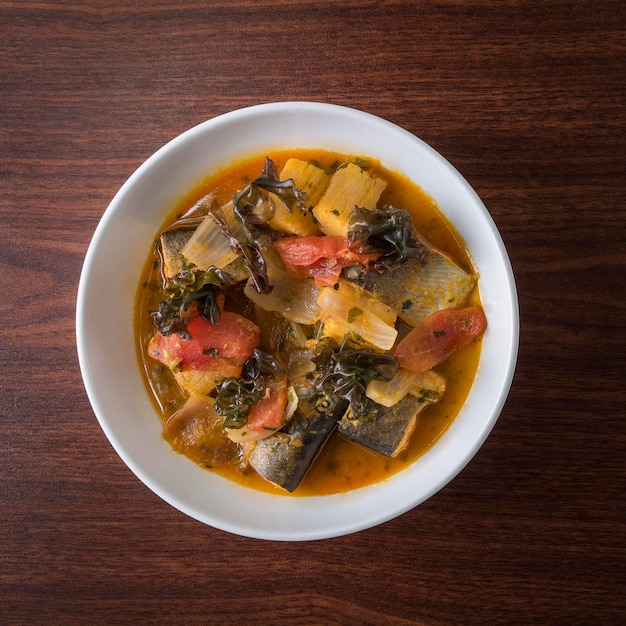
<point x="105" y="310"/>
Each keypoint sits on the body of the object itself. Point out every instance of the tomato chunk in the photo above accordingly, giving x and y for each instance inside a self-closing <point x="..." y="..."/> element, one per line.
<point x="438" y="336"/>
<point x="321" y="258"/>
<point x="231" y="340"/>
<point x="268" y="413"/>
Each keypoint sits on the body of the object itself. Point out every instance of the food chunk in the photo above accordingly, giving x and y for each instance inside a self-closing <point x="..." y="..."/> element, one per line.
<point x="285" y="457"/>
<point x="172" y="243"/>
<point x="234" y="337"/>
<point x="388" y="429"/>
<point x="208" y="246"/>
<point x="417" y="289"/>
<point x="349" y="187"/>
<point x="195" y="430"/>
<point x="321" y="258"/>
<point x="438" y="336"/>
<point x="266" y="416"/>
<point x="203" y="382"/>
<point x="313" y="181"/>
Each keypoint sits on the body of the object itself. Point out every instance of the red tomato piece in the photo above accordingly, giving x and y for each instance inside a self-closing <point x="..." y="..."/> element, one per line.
<point x="305" y="251"/>
<point x="438" y="336"/>
<point x="321" y="258"/>
<point x="268" y="413"/>
<point x="231" y="340"/>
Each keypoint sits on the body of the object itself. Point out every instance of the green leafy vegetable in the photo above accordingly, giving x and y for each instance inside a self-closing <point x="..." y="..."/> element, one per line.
<point x="235" y="399"/>
<point x="353" y="313"/>
<point x="247" y="250"/>
<point x="236" y="396"/>
<point x="388" y="231"/>
<point x="346" y="372"/>
<point x="253" y="209"/>
<point x="186" y="287"/>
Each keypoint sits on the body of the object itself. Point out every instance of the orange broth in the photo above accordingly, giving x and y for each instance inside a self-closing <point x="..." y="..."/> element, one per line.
<point x="342" y="465"/>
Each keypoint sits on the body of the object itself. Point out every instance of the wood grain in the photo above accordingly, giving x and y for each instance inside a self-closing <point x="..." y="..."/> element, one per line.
<point x="526" y="99"/>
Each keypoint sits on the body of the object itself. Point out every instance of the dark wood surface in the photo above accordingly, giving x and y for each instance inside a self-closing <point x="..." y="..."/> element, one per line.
<point x="527" y="100"/>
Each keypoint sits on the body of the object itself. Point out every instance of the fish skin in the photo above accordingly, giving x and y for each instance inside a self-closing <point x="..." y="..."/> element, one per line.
<point x="416" y="289"/>
<point x="388" y="429"/>
<point x="172" y="243"/>
<point x="284" y="463"/>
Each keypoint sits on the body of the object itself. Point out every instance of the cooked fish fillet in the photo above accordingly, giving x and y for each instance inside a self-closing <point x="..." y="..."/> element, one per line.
<point x="285" y="457"/>
<point x="172" y="243"/>
<point x="388" y="430"/>
<point x="415" y="289"/>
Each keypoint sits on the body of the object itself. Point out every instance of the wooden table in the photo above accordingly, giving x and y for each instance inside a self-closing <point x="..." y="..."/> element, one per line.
<point x="527" y="100"/>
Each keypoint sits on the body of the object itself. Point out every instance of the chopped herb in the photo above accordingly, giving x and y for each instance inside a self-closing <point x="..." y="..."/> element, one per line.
<point x="335" y="212"/>
<point x="353" y="313"/>
<point x="439" y="333"/>
<point x="407" y="304"/>
<point x="429" y="394"/>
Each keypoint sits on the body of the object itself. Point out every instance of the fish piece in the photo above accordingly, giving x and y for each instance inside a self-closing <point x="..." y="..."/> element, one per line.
<point x="285" y="457"/>
<point x="416" y="290"/>
<point x="388" y="430"/>
<point x="174" y="241"/>
<point x="172" y="244"/>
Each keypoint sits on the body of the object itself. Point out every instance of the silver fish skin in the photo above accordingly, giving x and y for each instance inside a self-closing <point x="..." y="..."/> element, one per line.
<point x="388" y="430"/>
<point x="172" y="242"/>
<point x="285" y="457"/>
<point x="417" y="289"/>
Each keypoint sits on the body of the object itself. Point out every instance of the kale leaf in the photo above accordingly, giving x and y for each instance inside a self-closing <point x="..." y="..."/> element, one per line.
<point x="388" y="231"/>
<point x="254" y="209"/>
<point x="236" y="396"/>
<point x="346" y="372"/>
<point x="187" y="287"/>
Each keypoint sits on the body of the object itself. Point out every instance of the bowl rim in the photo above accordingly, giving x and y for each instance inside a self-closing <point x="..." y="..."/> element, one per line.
<point x="339" y="526"/>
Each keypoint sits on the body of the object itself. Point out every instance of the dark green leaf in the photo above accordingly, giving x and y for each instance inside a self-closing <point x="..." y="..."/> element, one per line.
<point x="345" y="373"/>
<point x="388" y="231"/>
<point x="186" y="287"/>
<point x="236" y="396"/>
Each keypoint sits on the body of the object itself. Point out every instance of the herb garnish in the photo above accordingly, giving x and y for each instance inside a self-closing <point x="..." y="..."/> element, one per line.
<point x="353" y="313"/>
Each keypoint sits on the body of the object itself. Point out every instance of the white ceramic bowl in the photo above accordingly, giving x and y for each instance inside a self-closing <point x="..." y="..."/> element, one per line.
<point x="106" y="341"/>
